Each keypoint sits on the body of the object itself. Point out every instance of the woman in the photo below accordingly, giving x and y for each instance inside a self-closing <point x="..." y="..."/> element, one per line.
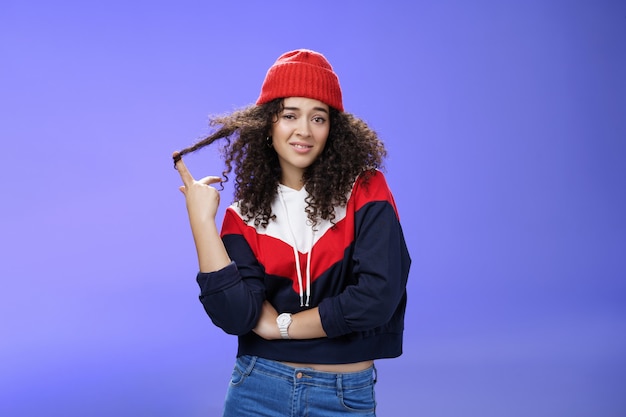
<point x="310" y="267"/>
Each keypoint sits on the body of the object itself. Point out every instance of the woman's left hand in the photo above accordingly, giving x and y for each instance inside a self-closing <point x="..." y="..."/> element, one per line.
<point x="267" y="327"/>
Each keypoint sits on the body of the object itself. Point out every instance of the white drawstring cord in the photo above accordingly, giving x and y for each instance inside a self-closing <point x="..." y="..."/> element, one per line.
<point x="308" y="271"/>
<point x="297" y="257"/>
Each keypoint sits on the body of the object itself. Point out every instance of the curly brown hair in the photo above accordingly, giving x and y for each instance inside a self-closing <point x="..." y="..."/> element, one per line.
<point x="352" y="149"/>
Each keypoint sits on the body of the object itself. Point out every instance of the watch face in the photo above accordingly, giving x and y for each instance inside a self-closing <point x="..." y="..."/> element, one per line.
<point x="284" y="319"/>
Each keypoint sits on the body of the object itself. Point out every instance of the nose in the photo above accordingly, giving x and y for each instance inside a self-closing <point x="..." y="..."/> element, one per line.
<point x="303" y="129"/>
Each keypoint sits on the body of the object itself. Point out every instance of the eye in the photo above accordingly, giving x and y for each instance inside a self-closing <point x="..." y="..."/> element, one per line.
<point x="319" y="119"/>
<point x="289" y="116"/>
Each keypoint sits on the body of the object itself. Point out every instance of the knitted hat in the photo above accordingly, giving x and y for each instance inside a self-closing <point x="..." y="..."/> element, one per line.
<point x="302" y="73"/>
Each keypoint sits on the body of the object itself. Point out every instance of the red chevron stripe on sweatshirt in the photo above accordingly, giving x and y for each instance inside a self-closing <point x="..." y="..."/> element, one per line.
<point x="277" y="256"/>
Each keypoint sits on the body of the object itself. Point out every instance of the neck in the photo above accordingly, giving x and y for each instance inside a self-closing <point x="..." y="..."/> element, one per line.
<point x="292" y="181"/>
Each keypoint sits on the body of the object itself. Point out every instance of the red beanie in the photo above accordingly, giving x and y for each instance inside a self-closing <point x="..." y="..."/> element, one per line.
<point x="302" y="73"/>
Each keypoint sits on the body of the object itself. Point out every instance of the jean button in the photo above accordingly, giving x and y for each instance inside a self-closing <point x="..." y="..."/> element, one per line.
<point x="299" y="375"/>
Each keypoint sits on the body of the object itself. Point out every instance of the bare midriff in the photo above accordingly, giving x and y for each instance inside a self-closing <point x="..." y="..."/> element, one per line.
<point x="334" y="368"/>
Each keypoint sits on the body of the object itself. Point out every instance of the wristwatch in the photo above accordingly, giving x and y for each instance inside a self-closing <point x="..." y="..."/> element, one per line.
<point x="283" y="321"/>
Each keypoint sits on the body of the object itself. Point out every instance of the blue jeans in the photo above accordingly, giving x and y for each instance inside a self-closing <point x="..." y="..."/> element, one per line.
<point x="261" y="387"/>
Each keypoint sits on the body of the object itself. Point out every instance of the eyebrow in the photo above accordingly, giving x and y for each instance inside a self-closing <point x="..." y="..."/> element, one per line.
<point x="299" y="109"/>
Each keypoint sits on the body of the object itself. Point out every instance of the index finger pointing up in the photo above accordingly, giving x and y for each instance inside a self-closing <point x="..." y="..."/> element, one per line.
<point x="180" y="166"/>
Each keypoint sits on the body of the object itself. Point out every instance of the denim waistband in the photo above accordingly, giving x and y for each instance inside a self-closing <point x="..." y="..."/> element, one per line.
<point x="247" y="364"/>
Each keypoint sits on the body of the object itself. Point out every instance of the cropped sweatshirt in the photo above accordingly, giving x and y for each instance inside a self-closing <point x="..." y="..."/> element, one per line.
<point x="354" y="269"/>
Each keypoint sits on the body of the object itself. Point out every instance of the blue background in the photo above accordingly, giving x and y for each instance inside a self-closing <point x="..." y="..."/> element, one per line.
<point x="506" y="128"/>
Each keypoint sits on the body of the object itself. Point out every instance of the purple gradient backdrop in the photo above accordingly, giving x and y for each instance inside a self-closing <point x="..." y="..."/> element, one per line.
<point x="506" y="127"/>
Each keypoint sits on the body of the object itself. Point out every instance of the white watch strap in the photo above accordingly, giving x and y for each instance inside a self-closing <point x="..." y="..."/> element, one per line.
<point x="284" y="321"/>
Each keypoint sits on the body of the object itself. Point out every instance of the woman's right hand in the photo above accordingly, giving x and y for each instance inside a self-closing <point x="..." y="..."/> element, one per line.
<point x="202" y="203"/>
<point x="202" y="199"/>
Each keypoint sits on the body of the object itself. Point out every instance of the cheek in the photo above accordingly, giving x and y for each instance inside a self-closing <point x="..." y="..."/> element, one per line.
<point x="322" y="136"/>
<point x="279" y="129"/>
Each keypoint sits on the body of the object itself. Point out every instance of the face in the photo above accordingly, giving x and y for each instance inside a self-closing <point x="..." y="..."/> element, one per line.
<point x="299" y="136"/>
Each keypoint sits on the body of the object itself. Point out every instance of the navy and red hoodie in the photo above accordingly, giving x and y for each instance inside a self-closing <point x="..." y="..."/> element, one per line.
<point x="356" y="271"/>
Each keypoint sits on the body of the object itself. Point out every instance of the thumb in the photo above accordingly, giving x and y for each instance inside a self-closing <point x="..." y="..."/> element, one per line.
<point x="211" y="179"/>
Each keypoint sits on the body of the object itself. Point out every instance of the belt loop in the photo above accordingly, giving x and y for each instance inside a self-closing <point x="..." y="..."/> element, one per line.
<point x="340" y="386"/>
<point x="374" y="373"/>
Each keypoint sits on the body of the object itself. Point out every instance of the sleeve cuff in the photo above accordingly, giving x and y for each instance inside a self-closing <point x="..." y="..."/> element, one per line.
<point x="332" y="318"/>
<point x="211" y="282"/>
